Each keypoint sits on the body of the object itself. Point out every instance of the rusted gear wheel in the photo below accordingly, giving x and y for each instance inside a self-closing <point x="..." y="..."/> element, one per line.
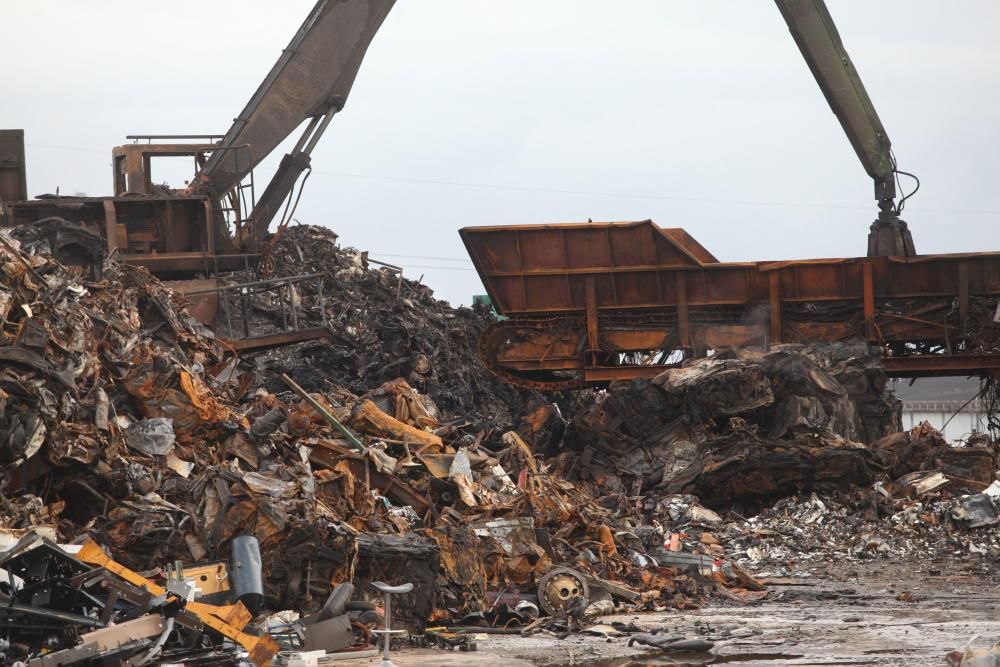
<point x="559" y="587"/>
<point x="492" y="338"/>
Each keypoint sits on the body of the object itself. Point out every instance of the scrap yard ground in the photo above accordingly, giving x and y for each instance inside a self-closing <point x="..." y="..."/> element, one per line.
<point x="231" y="439"/>
<point x="851" y="619"/>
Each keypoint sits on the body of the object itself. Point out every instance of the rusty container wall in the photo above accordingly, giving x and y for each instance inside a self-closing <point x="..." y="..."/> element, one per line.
<point x="578" y="296"/>
<point x="13" y="182"/>
<point x="544" y="269"/>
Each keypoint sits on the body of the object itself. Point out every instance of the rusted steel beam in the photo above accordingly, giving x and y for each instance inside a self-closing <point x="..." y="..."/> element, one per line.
<point x="593" y="327"/>
<point x="278" y="339"/>
<point x="184" y="262"/>
<point x="963" y="296"/>
<point x="609" y="373"/>
<point x="683" y="316"/>
<point x="927" y="365"/>
<point x="774" y="284"/>
<point x="869" y="301"/>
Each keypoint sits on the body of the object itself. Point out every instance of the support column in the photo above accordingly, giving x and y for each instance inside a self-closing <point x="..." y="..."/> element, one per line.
<point x="593" y="328"/>
<point x="774" y="285"/>
<point x="869" y="287"/>
<point x="963" y="296"/>
<point x="683" y="323"/>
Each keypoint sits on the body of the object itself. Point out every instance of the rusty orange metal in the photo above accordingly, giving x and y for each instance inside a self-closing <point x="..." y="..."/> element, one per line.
<point x="590" y="302"/>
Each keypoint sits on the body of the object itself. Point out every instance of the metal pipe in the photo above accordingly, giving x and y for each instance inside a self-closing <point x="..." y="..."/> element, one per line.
<point x="387" y="640"/>
<point x="257" y="283"/>
<point x="322" y="302"/>
<point x="229" y="317"/>
<point x="291" y="302"/>
<point x="333" y="421"/>
<point x="319" y="131"/>
<point x="284" y="315"/>
<point x="245" y="311"/>
<point x="173" y="136"/>
<point x="397" y="269"/>
<point x="385" y="264"/>
<point x="306" y="134"/>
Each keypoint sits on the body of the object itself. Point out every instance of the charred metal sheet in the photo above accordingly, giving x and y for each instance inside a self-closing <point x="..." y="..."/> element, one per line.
<point x="204" y="301"/>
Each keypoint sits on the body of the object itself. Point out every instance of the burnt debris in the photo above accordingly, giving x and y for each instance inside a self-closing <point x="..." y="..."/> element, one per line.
<point x="164" y="499"/>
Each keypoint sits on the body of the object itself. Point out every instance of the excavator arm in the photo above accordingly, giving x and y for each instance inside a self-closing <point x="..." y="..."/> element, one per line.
<point x="310" y="81"/>
<point x="816" y="35"/>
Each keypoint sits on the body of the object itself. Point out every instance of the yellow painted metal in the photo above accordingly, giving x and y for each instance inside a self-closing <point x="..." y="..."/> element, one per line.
<point x="226" y="620"/>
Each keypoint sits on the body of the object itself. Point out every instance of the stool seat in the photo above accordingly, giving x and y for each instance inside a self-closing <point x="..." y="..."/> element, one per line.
<point x="387" y="633"/>
<point x="392" y="590"/>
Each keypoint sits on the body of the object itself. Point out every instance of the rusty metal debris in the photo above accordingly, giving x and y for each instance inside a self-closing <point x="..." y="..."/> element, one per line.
<point x="62" y="609"/>
<point x="125" y="422"/>
<point x="380" y="327"/>
<point x="561" y="589"/>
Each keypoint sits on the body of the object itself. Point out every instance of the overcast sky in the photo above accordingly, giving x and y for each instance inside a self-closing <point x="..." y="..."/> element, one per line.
<point x="699" y="115"/>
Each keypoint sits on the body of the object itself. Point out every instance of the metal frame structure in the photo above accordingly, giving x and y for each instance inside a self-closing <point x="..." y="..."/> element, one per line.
<point x="290" y="329"/>
<point x="593" y="302"/>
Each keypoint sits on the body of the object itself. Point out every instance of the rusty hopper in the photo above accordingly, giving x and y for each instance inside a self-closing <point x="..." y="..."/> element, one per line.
<point x="593" y="302"/>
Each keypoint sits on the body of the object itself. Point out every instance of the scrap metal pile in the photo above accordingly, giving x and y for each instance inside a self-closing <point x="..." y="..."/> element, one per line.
<point x="125" y="422"/>
<point x="60" y="608"/>
<point x="382" y="327"/>
<point x="940" y="502"/>
<point x="126" y="426"/>
<point x="743" y="428"/>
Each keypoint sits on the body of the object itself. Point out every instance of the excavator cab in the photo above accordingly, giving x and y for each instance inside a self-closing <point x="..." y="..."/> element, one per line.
<point x="215" y="223"/>
<point x="164" y="229"/>
<point x="135" y="175"/>
<point x="135" y="163"/>
<point x="151" y="218"/>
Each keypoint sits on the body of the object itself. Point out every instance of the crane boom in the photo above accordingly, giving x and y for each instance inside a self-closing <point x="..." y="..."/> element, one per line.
<point x="816" y="35"/>
<point x="311" y="80"/>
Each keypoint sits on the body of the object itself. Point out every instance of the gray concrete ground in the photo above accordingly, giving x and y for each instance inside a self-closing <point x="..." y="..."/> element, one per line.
<point x="845" y="619"/>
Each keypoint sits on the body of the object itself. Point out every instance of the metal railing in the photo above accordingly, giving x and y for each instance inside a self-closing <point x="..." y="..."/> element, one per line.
<point x="260" y="292"/>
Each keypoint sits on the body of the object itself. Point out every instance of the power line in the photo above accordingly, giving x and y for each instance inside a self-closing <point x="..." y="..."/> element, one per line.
<point x="439" y="268"/>
<point x="440" y="259"/>
<point x="588" y="193"/>
<point x="67" y="148"/>
<point x="632" y="195"/>
<point x="592" y="193"/>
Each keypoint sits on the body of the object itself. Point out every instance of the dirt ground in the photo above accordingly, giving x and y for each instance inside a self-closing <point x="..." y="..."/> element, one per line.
<point x="845" y="616"/>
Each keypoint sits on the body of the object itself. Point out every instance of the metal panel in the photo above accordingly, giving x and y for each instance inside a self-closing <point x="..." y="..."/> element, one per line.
<point x="551" y="268"/>
<point x="13" y="182"/>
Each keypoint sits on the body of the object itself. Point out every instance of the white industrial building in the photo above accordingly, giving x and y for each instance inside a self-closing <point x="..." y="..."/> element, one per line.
<point x="947" y="403"/>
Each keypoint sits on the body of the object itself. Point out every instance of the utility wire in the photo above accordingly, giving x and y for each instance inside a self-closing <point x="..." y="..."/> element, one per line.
<point x="439" y="268"/>
<point x="67" y="148"/>
<point x="964" y="405"/>
<point x="587" y="193"/>
<point x="440" y="259"/>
